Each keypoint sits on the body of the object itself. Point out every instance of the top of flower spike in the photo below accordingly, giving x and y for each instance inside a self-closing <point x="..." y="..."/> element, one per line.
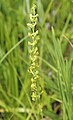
<point x="33" y="10"/>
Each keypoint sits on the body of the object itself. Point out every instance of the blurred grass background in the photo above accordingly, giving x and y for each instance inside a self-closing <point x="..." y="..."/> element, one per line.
<point x="56" y="56"/>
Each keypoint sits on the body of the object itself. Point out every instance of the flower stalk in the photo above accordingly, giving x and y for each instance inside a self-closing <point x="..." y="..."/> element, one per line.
<point x="33" y="54"/>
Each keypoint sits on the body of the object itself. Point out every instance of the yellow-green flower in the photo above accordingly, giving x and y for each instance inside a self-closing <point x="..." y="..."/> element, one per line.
<point x="33" y="54"/>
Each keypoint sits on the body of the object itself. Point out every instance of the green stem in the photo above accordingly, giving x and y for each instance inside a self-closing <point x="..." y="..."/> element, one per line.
<point x="4" y="57"/>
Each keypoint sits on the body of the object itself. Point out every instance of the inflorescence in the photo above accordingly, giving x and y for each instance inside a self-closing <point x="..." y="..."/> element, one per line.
<point x="33" y="53"/>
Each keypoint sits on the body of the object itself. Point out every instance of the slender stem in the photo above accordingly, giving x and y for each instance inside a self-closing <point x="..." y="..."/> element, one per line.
<point x="53" y="68"/>
<point x="4" y="57"/>
<point x="20" y="110"/>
